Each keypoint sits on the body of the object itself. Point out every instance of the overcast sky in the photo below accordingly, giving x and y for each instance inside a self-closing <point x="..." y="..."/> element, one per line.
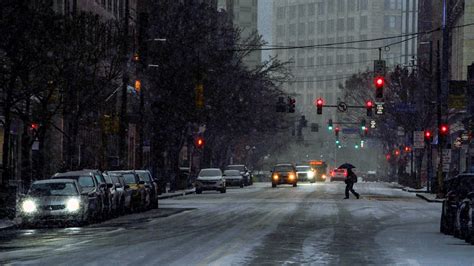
<point x="265" y="23"/>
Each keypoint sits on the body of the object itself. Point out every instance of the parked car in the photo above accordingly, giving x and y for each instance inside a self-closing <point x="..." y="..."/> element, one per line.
<point x="339" y="174"/>
<point x="89" y="182"/>
<point x="114" y="194"/>
<point x="371" y="176"/>
<point x="210" y="179"/>
<point x="126" y="200"/>
<point x="464" y="195"/>
<point x="284" y="174"/>
<point x="58" y="200"/>
<point x="244" y="171"/>
<point x="101" y="180"/>
<point x="233" y="178"/>
<point x="140" y="194"/>
<point x="153" y="185"/>
<point x="305" y="173"/>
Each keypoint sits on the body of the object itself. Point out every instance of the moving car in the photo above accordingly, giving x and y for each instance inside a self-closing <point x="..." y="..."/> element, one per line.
<point x="339" y="174"/>
<point x="210" y="179"/>
<point x="305" y="173"/>
<point x="244" y="171"/>
<point x="371" y="176"/>
<point x="233" y="178"/>
<point x="89" y="183"/>
<point x="58" y="200"/>
<point x="284" y="174"/>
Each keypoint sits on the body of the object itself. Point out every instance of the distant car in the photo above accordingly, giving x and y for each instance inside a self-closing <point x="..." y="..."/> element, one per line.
<point x="233" y="178"/>
<point x="371" y="176"/>
<point x="339" y="174"/>
<point x="244" y="171"/>
<point x="284" y="174"/>
<point x="153" y="184"/>
<point x="210" y="179"/>
<point x="58" y="201"/>
<point x="305" y="173"/>
<point x="89" y="182"/>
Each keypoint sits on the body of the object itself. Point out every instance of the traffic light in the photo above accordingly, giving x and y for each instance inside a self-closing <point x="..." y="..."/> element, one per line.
<point x="362" y="124"/>
<point x="337" y="141"/>
<point x="319" y="105"/>
<point x="330" y="124"/>
<point x="356" y="146"/>
<point x="443" y="132"/>
<point x="388" y="157"/>
<point x="336" y="132"/>
<point x="199" y="143"/>
<point x="291" y="105"/>
<point x="138" y="85"/>
<point x="397" y="152"/>
<point x="369" y="105"/>
<point x="379" y="84"/>
<point x="34" y="126"/>
<point x="428" y="137"/>
<point x="407" y="149"/>
<point x="366" y="131"/>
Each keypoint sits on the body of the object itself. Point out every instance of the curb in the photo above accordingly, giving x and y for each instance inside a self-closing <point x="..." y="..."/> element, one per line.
<point x="11" y="225"/>
<point x="421" y="196"/>
<point x="177" y="194"/>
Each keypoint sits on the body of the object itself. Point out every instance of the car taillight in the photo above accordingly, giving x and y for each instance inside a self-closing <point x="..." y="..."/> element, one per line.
<point x="345" y="174"/>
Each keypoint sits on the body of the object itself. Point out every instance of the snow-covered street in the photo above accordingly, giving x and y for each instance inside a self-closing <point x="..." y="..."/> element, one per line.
<point x="309" y="224"/>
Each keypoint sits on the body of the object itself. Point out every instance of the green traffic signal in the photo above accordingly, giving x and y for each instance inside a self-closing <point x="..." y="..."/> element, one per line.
<point x="356" y="146"/>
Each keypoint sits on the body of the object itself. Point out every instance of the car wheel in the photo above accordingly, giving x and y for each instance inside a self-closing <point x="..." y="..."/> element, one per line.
<point x="198" y="191"/>
<point x="274" y="185"/>
<point x="223" y="190"/>
<point x="241" y="184"/>
<point x="295" y="184"/>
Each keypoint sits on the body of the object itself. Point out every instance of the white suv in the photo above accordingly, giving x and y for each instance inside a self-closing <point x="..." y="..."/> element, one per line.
<point x="210" y="179"/>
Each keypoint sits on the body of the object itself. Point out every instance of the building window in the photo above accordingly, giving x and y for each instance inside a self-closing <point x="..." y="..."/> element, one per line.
<point x="280" y="31"/>
<point x="340" y="6"/>
<point x="340" y="59"/>
<point x="320" y="60"/>
<point x="349" y="58"/>
<point x="392" y="22"/>
<point x="310" y="61"/>
<point x="363" y="44"/>
<point x="363" y="23"/>
<point x="329" y="60"/>
<point x="302" y="29"/>
<point x="340" y="24"/>
<point x="321" y="8"/>
<point x="310" y="28"/>
<point x="281" y="12"/>
<point x="350" y="24"/>
<point x="302" y="11"/>
<point x="331" y="7"/>
<point x="330" y="26"/>
<point x="311" y="10"/>
<point x="363" y="4"/>
<point x="292" y="12"/>
<point x="351" y="5"/>
<point x="292" y="30"/>
<point x="321" y="26"/>
<point x="363" y="57"/>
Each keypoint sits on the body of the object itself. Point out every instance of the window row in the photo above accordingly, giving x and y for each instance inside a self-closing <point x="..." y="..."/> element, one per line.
<point x="322" y="27"/>
<point x="322" y="8"/>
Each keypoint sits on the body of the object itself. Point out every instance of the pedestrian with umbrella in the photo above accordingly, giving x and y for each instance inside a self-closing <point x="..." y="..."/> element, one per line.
<point x="350" y="179"/>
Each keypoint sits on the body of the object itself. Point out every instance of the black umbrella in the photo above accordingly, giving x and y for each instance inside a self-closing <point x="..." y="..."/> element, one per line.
<point x="346" y="166"/>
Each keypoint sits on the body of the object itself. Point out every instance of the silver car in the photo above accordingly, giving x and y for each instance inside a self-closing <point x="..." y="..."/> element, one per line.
<point x="233" y="178"/>
<point x="56" y="200"/>
<point x="210" y="179"/>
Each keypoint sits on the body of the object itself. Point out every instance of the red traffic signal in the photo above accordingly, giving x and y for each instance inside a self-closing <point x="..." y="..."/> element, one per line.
<point x="428" y="136"/>
<point x="336" y="131"/>
<point x="407" y="149"/>
<point x="369" y="105"/>
<point x="397" y="152"/>
<point x="199" y="143"/>
<point x="443" y="129"/>
<point x="388" y="157"/>
<point x="34" y="126"/>
<point x="319" y="105"/>
<point x="379" y="82"/>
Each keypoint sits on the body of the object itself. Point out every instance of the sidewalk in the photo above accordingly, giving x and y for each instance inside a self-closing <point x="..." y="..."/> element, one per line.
<point x="6" y="223"/>
<point x="422" y="194"/>
<point x="177" y="193"/>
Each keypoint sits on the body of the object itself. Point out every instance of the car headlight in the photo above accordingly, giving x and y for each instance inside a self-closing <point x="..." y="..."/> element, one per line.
<point x="292" y="176"/>
<point x="324" y="176"/>
<point x="310" y="174"/>
<point x="275" y="177"/>
<point x="28" y="206"/>
<point x="73" y="205"/>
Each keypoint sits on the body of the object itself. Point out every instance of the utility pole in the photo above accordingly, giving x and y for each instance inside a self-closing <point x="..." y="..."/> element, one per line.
<point x="125" y="79"/>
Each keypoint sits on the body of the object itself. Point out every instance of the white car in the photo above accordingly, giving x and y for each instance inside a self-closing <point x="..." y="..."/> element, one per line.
<point x="233" y="178"/>
<point x="305" y="173"/>
<point x="210" y="179"/>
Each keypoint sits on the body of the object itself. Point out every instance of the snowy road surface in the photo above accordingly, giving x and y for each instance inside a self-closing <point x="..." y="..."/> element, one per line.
<point x="258" y="225"/>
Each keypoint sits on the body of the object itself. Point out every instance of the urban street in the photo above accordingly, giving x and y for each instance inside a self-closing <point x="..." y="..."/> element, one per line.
<point x="258" y="225"/>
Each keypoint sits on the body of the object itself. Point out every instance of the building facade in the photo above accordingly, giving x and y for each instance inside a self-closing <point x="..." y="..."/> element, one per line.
<point x="244" y="14"/>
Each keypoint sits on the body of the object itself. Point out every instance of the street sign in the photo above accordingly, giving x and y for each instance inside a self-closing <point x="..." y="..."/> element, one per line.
<point x="342" y="107"/>
<point x="379" y="108"/>
<point x="446" y="156"/>
<point x="350" y="130"/>
<point x="379" y="68"/>
<point x="373" y="124"/>
<point x="418" y="140"/>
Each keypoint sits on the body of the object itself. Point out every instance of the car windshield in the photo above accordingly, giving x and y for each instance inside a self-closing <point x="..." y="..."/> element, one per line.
<point x="283" y="168"/>
<point x="303" y="168"/>
<point x="210" y="172"/>
<point x="231" y="173"/>
<point x="240" y="168"/>
<point x="53" y="189"/>
<point x="144" y="177"/>
<point x="129" y="179"/>
<point x="108" y="179"/>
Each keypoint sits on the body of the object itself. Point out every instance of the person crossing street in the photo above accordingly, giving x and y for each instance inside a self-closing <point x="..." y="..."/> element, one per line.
<point x="350" y="180"/>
